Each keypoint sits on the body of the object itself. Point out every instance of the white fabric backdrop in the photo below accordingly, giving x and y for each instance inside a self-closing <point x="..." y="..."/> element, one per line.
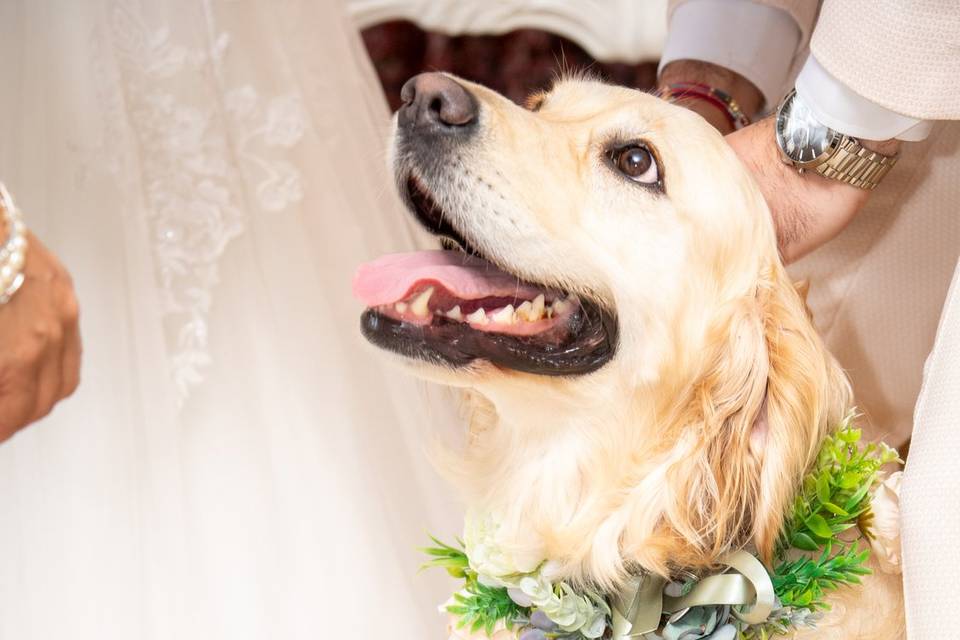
<point x="236" y="464"/>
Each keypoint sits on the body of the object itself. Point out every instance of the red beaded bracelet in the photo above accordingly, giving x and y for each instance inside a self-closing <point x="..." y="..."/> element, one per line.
<point x="695" y="91"/>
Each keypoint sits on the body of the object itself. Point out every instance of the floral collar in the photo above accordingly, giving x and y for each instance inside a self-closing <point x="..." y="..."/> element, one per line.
<point x="744" y="601"/>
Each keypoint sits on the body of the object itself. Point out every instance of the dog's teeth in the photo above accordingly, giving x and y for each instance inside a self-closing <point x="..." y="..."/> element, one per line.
<point x="478" y="317"/>
<point x="401" y="307"/>
<point x="419" y="305"/>
<point x="524" y="311"/>
<point x="560" y="306"/>
<point x="538" y="307"/>
<point x="455" y="314"/>
<point x="504" y="316"/>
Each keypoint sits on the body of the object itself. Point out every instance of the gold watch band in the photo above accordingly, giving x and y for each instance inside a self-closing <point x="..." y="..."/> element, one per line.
<point x="857" y="166"/>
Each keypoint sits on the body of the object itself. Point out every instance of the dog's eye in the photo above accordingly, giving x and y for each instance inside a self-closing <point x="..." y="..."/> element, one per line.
<point x="637" y="163"/>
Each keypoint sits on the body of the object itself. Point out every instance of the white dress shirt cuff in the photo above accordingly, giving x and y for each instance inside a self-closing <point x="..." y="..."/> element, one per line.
<point x="844" y="110"/>
<point x="754" y="40"/>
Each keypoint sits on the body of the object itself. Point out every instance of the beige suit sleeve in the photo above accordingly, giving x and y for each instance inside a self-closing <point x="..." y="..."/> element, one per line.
<point x="902" y="55"/>
<point x="931" y="487"/>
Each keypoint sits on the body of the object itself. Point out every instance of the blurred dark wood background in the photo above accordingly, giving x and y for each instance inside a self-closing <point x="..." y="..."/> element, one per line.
<point x="515" y="64"/>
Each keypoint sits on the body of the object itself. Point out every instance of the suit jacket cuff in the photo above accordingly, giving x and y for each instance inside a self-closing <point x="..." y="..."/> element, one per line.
<point x="843" y="109"/>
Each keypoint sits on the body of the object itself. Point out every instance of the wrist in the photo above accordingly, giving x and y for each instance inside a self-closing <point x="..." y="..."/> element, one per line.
<point x="696" y="93"/>
<point x="807" y="209"/>
<point x="884" y="147"/>
<point x="746" y="95"/>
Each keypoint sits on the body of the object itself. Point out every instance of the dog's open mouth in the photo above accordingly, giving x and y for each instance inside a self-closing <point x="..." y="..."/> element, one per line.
<point x="454" y="307"/>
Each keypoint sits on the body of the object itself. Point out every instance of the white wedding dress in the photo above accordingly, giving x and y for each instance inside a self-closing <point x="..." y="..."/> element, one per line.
<point x="236" y="463"/>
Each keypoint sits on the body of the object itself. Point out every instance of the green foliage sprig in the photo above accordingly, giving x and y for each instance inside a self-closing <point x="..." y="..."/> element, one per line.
<point x="477" y="606"/>
<point x="835" y="495"/>
<point x="801" y="583"/>
<point x="481" y="607"/>
<point x="818" y="550"/>
<point x="453" y="560"/>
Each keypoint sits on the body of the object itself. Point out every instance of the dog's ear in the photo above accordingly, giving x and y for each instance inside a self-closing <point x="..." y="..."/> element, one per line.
<point x="808" y="394"/>
<point x="768" y="393"/>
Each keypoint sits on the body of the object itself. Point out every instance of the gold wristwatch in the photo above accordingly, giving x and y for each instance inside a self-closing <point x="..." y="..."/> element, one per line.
<point x="810" y="145"/>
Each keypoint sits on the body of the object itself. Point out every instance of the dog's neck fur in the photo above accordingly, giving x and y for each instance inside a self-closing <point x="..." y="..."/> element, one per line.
<point x="557" y="487"/>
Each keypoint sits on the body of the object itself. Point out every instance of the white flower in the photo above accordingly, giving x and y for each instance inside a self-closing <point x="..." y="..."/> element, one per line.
<point x="885" y="529"/>
<point x="489" y="561"/>
<point x="530" y="581"/>
<point x="596" y="626"/>
<point x="550" y="570"/>
<point x="490" y="555"/>
<point x="519" y="597"/>
<point x="500" y="632"/>
<point x="536" y="587"/>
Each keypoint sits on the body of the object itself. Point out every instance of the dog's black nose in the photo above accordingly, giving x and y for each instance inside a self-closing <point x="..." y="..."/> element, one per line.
<point x="436" y="101"/>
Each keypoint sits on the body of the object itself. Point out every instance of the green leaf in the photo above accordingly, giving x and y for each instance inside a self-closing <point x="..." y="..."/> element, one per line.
<point x="823" y="488"/>
<point x="834" y="509"/>
<point x="850" y="479"/>
<point x="850" y="436"/>
<point x="444" y="551"/>
<point x="857" y="497"/>
<point x="803" y="541"/>
<point x="480" y="607"/>
<point x="819" y="526"/>
<point x="453" y="560"/>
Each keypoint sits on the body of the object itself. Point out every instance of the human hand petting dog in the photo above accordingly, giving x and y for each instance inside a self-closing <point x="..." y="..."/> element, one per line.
<point x="808" y="210"/>
<point x="39" y="341"/>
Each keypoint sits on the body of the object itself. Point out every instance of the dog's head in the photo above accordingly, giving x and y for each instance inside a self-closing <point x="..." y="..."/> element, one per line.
<point x="611" y="272"/>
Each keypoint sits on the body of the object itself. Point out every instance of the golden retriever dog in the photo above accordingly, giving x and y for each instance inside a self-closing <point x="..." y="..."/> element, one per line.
<point x="647" y="388"/>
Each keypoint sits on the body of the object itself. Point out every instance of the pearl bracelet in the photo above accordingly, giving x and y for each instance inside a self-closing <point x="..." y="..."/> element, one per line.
<point x="13" y="252"/>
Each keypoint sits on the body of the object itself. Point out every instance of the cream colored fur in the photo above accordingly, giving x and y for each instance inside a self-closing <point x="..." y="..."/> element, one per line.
<point x="654" y="461"/>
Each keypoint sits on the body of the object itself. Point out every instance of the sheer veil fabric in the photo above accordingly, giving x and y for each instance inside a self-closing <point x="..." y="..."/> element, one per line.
<point x="236" y="463"/>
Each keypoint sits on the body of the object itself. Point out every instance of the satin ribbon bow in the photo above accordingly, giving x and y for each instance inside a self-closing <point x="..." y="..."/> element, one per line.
<point x="639" y="607"/>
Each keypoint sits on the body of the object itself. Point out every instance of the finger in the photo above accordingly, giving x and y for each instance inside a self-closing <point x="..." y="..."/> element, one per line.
<point x="46" y="334"/>
<point x="50" y="374"/>
<point x="68" y="310"/>
<point x="70" y="360"/>
<point x="18" y="393"/>
<point x="15" y="413"/>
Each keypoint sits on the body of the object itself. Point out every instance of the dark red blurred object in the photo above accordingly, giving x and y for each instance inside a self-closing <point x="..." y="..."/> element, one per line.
<point x="515" y="64"/>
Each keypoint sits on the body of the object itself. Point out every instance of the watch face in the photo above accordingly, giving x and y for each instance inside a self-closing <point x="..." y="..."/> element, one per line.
<point x="800" y="135"/>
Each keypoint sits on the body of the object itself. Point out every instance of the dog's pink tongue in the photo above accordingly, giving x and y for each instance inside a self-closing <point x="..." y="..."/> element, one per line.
<point x="390" y="278"/>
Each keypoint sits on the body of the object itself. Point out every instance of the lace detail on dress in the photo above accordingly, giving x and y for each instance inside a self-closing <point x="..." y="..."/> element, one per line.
<point x="185" y="177"/>
<point x="191" y="162"/>
<point x="281" y="123"/>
